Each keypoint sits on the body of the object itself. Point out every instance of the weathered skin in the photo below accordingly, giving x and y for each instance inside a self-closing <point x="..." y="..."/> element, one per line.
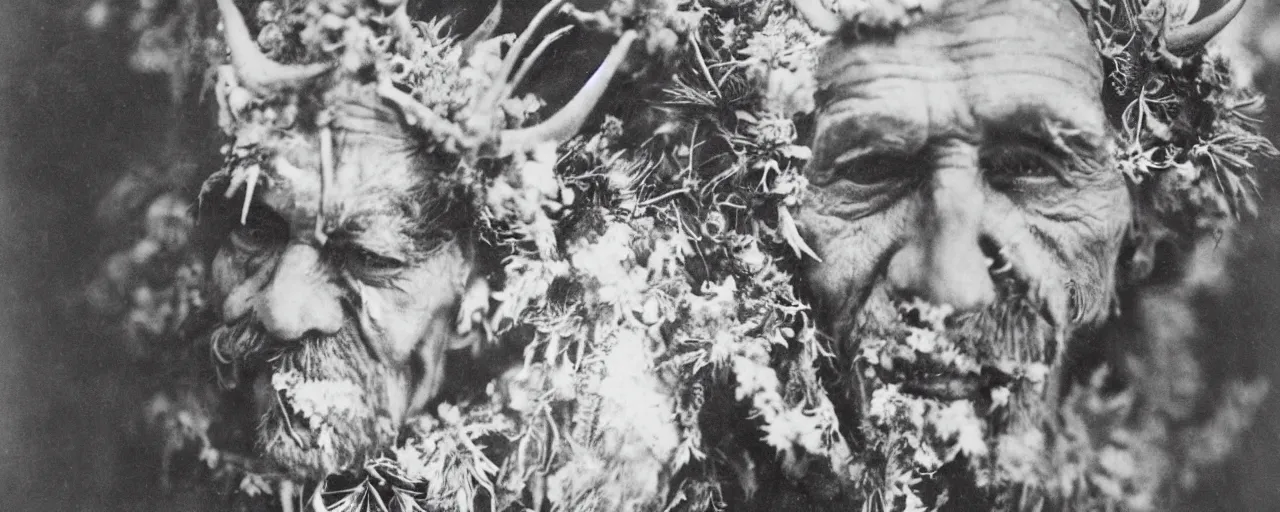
<point x="353" y="270"/>
<point x="373" y="301"/>
<point x="935" y="150"/>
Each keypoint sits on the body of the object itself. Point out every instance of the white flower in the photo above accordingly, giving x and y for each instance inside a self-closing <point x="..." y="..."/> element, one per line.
<point x="922" y="341"/>
<point x="958" y="421"/>
<point x="412" y="461"/>
<point x="1000" y="396"/>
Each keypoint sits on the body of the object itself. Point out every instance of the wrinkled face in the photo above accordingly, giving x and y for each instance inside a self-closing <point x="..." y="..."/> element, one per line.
<point x="341" y="297"/>
<point x="966" y="162"/>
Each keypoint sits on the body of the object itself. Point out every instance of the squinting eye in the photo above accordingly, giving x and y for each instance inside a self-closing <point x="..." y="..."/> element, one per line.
<point x="369" y="260"/>
<point x="254" y="236"/>
<point x="1006" y="166"/>
<point x="434" y="242"/>
<point x="262" y="229"/>
<point x="877" y="170"/>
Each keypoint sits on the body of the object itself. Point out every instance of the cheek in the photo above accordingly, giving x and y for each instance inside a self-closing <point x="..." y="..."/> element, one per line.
<point x="228" y="273"/>
<point x="852" y="251"/>
<point x="419" y="308"/>
<point x="235" y="280"/>
<point x="225" y="273"/>
<point x="1098" y="236"/>
<point x="1082" y="250"/>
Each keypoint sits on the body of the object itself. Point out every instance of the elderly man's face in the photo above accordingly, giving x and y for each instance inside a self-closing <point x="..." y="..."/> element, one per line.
<point x="345" y="292"/>
<point x="965" y="161"/>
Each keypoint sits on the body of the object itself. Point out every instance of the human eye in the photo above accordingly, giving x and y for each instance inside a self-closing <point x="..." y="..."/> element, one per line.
<point x="1012" y="166"/>
<point x="360" y="258"/>
<point x="878" y="166"/>
<point x="368" y="264"/>
<point x="432" y="241"/>
<point x="870" y="180"/>
<point x="260" y="231"/>
<point x="877" y="170"/>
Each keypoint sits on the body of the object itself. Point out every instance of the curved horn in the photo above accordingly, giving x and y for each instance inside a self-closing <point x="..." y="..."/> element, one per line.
<point x="818" y="17"/>
<point x="509" y="61"/>
<point x="255" y="70"/>
<point x="499" y="89"/>
<point x="1193" y="36"/>
<point x="565" y="124"/>
<point x="528" y="63"/>
<point x="482" y="32"/>
<point x="402" y="26"/>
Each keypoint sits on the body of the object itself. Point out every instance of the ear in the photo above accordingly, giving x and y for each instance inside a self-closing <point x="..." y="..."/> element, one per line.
<point x="1140" y="248"/>
<point x="1144" y="258"/>
<point x="428" y="370"/>
<point x="472" y="311"/>
<point x="468" y="330"/>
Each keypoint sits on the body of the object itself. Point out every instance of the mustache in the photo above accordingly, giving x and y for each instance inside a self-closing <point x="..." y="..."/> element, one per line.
<point x="245" y="344"/>
<point x="1014" y="328"/>
<point x="303" y="436"/>
<point x="1019" y="325"/>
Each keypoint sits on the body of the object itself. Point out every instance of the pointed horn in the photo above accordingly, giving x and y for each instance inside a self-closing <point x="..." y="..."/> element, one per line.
<point x="817" y="15"/>
<point x="403" y="28"/>
<point x="509" y="61"/>
<point x="499" y="89"/>
<point x="537" y="52"/>
<point x="255" y="70"/>
<point x="1193" y="36"/>
<point x="565" y="124"/>
<point x="483" y="32"/>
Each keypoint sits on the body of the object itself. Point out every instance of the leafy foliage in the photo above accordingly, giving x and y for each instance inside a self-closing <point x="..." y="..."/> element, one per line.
<point x="646" y="279"/>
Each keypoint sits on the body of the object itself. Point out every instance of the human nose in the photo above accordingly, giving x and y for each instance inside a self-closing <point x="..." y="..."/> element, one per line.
<point x="300" y="300"/>
<point x="943" y="261"/>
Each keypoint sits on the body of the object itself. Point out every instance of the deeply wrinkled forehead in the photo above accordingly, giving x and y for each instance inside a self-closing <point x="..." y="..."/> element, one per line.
<point x="962" y="31"/>
<point x="971" y="69"/>
<point x="348" y="169"/>
<point x="337" y="178"/>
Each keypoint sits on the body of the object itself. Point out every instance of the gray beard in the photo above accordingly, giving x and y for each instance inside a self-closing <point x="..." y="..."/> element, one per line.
<point x="1015" y="329"/>
<point x="354" y="426"/>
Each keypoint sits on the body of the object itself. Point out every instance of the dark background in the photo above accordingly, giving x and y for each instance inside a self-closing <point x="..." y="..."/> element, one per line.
<point x="72" y="113"/>
<point x="73" y="117"/>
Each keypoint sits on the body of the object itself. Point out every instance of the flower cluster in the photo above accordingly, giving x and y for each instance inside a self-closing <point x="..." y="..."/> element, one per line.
<point x="646" y="279"/>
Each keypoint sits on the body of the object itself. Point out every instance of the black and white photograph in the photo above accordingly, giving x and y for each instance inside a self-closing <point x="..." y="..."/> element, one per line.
<point x="640" y="255"/>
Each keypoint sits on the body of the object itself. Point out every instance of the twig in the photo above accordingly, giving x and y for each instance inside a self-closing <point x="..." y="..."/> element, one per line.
<point x="676" y="192"/>
<point x="287" y="422"/>
<point x="706" y="72"/>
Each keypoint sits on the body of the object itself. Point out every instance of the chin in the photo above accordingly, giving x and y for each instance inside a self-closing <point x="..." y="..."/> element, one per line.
<point x="289" y="441"/>
<point x="323" y="408"/>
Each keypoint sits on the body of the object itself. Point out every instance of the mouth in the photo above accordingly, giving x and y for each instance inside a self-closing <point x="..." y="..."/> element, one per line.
<point x="931" y="352"/>
<point x="293" y="420"/>
<point x="317" y="427"/>
<point x="322" y="404"/>
<point x="278" y="413"/>
<point x="929" y="379"/>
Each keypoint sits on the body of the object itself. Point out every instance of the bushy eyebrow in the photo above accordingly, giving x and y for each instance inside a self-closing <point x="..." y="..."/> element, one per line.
<point x="385" y="232"/>
<point x="888" y="135"/>
<point x="1058" y="131"/>
<point x="404" y="228"/>
<point x="877" y="135"/>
